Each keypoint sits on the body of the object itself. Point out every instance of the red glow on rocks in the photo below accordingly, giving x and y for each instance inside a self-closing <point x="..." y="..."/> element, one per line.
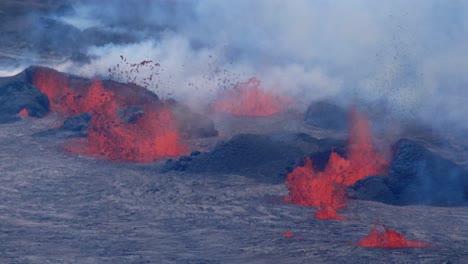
<point x="23" y="113"/>
<point x="248" y="99"/>
<point x="288" y="234"/>
<point x="327" y="189"/>
<point x="390" y="239"/>
<point x="151" y="137"/>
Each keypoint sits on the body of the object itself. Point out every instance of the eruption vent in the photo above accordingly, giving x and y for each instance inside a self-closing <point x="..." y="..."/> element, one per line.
<point x="248" y="99"/>
<point x="390" y="239"/>
<point x="149" y="134"/>
<point x="327" y="189"/>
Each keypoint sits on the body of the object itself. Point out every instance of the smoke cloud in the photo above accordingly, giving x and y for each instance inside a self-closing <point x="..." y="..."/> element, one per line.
<point x="409" y="55"/>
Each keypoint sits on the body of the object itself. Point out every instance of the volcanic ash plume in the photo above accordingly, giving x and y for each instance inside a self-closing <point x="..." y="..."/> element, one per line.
<point x="327" y="189"/>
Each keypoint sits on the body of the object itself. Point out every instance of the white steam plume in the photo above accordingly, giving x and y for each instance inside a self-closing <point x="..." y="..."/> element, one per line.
<point x="409" y="54"/>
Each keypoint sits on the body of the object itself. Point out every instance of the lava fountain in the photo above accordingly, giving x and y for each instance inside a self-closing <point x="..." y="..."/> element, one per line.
<point x="327" y="189"/>
<point x="249" y="99"/>
<point x="390" y="239"/>
<point x="150" y="136"/>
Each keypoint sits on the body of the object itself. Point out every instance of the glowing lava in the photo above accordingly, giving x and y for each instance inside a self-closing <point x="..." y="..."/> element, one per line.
<point x="152" y="136"/>
<point x="327" y="189"/>
<point x="390" y="239"/>
<point x="248" y="99"/>
<point x="23" y="113"/>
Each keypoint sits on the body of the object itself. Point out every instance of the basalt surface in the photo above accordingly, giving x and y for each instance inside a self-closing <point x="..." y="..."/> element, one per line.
<point x="63" y="208"/>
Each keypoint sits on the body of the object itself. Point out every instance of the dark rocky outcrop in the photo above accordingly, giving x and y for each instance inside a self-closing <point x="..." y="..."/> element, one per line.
<point x="16" y="95"/>
<point x="74" y="126"/>
<point x="416" y="176"/>
<point x="266" y="158"/>
<point x="131" y="114"/>
<point x="326" y="115"/>
<point x="78" y="124"/>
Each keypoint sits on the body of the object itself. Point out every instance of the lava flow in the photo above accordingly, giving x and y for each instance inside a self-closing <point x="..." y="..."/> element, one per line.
<point x="327" y="189"/>
<point x="390" y="239"/>
<point x="149" y="136"/>
<point x="248" y="99"/>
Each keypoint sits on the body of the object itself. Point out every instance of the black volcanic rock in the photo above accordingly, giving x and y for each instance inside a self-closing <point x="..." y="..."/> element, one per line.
<point x="74" y="126"/>
<point x="266" y="158"/>
<point x="326" y="115"/>
<point x="416" y="176"/>
<point x="131" y="114"/>
<point x="374" y="188"/>
<point x="16" y="95"/>
<point x="78" y="124"/>
<point x="257" y="156"/>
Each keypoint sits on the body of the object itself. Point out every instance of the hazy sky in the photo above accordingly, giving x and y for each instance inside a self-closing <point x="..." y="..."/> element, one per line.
<point x="412" y="55"/>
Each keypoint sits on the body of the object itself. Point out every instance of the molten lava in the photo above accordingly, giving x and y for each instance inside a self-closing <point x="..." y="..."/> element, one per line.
<point x="23" y="113"/>
<point x="248" y="99"/>
<point x="150" y="137"/>
<point x="288" y="234"/>
<point x="327" y="189"/>
<point x="390" y="239"/>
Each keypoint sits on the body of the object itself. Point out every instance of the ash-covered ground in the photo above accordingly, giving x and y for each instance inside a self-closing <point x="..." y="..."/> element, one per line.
<point x="57" y="207"/>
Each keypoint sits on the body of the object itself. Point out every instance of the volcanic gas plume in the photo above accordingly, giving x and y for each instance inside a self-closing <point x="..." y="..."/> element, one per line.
<point x="249" y="99"/>
<point x="150" y="135"/>
<point x="389" y="238"/>
<point x="327" y="189"/>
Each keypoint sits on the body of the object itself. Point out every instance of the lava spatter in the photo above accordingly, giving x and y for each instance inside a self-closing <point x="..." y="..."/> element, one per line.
<point x="153" y="136"/>
<point x="249" y="99"/>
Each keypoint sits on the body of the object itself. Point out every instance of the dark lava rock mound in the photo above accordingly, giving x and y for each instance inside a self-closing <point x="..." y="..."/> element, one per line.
<point x="267" y="158"/>
<point x="326" y="115"/>
<point x="416" y="176"/>
<point x="74" y="126"/>
<point x="16" y="95"/>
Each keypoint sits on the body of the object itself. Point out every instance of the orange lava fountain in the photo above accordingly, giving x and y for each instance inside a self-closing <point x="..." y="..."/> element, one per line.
<point x="327" y="189"/>
<point x="389" y="239"/>
<point x="248" y="99"/>
<point x="151" y="137"/>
